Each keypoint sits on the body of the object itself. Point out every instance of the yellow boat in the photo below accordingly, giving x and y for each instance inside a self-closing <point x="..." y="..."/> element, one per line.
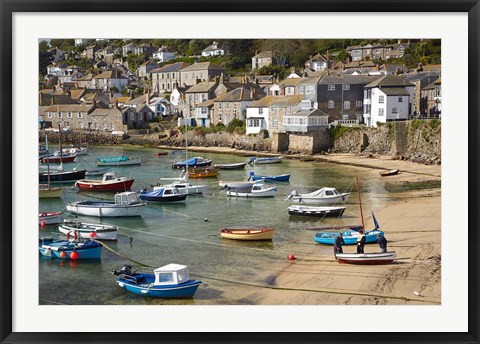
<point x="248" y="233"/>
<point x="46" y="192"/>
<point x="205" y="173"/>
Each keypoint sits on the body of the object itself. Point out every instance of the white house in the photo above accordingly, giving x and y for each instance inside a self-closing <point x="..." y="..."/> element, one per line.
<point x="163" y="55"/>
<point x="257" y="118"/>
<point x="82" y="41"/>
<point x="387" y="99"/>
<point x="161" y="107"/>
<point x="213" y="50"/>
<point x="204" y="113"/>
<point x="318" y="62"/>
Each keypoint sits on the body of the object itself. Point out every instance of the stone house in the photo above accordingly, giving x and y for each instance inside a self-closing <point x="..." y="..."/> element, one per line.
<point x="109" y="79"/>
<point x="56" y="54"/>
<point x="306" y="119"/>
<point x="262" y="59"/>
<point x="145" y="68"/>
<point x="341" y="96"/>
<point x="233" y="105"/>
<point x="318" y="62"/>
<point x="109" y="119"/>
<point x="213" y="50"/>
<point x="204" y="113"/>
<point x="387" y="99"/>
<point x="303" y="86"/>
<point x="163" y="54"/>
<point x="168" y="77"/>
<point x="420" y="80"/>
<point x="72" y="116"/>
<point x="90" y="51"/>
<point x="431" y="100"/>
<point x="201" y="71"/>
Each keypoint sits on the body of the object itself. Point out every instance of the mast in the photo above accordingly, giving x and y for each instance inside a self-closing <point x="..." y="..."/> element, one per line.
<point x="186" y="149"/>
<point x="360" y="201"/>
<point x="48" y="163"/>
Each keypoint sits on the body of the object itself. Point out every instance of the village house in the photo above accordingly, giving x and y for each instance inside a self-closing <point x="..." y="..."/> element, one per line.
<point x="431" y="100"/>
<point x="72" y="116"/>
<point x="108" y="119"/>
<point x="137" y="49"/>
<point x="232" y="105"/>
<point x="56" y="68"/>
<point x="341" y="97"/>
<point x="267" y="113"/>
<point x="178" y="100"/>
<point x="377" y="51"/>
<point x="163" y="54"/>
<point x="82" y="41"/>
<point x="145" y="68"/>
<point x="386" y="99"/>
<point x="89" y="52"/>
<point x="420" y="79"/>
<point x="112" y="79"/>
<point x="262" y="59"/>
<point x="201" y="71"/>
<point x="56" y="54"/>
<point x="213" y="50"/>
<point x="204" y="113"/>
<point x="168" y="77"/>
<point x="318" y="62"/>
<point x="304" y="86"/>
<point x="306" y="120"/>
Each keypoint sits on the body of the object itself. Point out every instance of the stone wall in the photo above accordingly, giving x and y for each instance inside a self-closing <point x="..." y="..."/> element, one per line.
<point x="310" y="143"/>
<point x="72" y="138"/>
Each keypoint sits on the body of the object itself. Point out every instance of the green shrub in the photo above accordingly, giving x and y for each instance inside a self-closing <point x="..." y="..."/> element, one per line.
<point x="434" y="123"/>
<point x="338" y="131"/>
<point x="234" y="124"/>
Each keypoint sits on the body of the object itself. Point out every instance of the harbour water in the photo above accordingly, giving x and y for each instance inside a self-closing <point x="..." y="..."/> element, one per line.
<point x="188" y="233"/>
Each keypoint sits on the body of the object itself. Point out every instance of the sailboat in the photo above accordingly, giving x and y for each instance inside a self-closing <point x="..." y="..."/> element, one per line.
<point x="61" y="176"/>
<point x="367" y="258"/>
<point x="46" y="191"/>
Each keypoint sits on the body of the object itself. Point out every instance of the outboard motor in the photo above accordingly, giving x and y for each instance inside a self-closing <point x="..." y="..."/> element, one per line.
<point x="126" y="270"/>
<point x="252" y="159"/>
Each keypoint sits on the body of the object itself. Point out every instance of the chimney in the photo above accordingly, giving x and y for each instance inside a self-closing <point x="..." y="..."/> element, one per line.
<point x="116" y="104"/>
<point x="148" y="97"/>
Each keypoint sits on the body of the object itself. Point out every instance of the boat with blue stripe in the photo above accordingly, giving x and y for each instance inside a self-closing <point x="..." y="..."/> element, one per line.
<point x="273" y="178"/>
<point x="65" y="249"/>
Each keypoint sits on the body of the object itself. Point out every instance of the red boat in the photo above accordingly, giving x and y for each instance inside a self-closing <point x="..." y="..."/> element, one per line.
<point x="110" y="182"/>
<point x="57" y="158"/>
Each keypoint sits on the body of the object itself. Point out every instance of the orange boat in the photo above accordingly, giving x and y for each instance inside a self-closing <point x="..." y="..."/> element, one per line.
<point x="202" y="173"/>
<point x="248" y="233"/>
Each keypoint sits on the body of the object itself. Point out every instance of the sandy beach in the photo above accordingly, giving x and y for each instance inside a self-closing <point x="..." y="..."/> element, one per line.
<point x="412" y="226"/>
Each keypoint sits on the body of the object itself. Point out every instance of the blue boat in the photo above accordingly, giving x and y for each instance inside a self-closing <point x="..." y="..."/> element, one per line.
<point x="65" y="249"/>
<point x="277" y="178"/>
<point x="169" y="281"/>
<point x="193" y="162"/>
<point x="269" y="160"/>
<point x="163" y="194"/>
<point x="349" y="236"/>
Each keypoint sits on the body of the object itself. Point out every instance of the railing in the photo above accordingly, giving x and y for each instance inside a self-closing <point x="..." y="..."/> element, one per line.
<point x="346" y="122"/>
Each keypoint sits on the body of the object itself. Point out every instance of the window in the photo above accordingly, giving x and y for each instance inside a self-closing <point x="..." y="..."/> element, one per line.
<point x="219" y="117"/>
<point x="394" y="110"/>
<point x="309" y="89"/>
<point x="302" y="89"/>
<point x="67" y="124"/>
<point x="289" y="110"/>
<point x="59" y="115"/>
<point x="358" y="103"/>
<point x="227" y="106"/>
<point x="132" y="116"/>
<point x="346" y="87"/>
<point x="275" y="122"/>
<point x="381" y="99"/>
<point x="346" y="104"/>
<point x="79" y="115"/>
<point x="400" y="99"/>
<point x="331" y="104"/>
<point x="381" y="112"/>
<point x="49" y="115"/>
<point x="260" y="111"/>
<point x="331" y="87"/>
<point x="173" y="75"/>
<point x="345" y="117"/>
<point x="219" y="106"/>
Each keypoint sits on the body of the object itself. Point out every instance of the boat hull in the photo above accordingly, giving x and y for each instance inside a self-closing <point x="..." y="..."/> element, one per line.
<point x="50" y="193"/>
<point x="205" y="174"/>
<point x="61" y="177"/>
<point x="314" y="200"/>
<point x="280" y="178"/>
<point x="50" y="218"/>
<point x="316" y="211"/>
<point x="105" y="209"/>
<point x="264" y="193"/>
<point x="164" y="199"/>
<point x="273" y="160"/>
<point x="350" y="237"/>
<point x="95" y="185"/>
<point x="54" y="249"/>
<point x="102" y="232"/>
<point x="195" y="165"/>
<point x="57" y="159"/>
<point x="144" y="287"/>
<point x="366" y="258"/>
<point x="252" y="234"/>
<point x="121" y="163"/>
<point x="389" y="173"/>
<point x="238" y="166"/>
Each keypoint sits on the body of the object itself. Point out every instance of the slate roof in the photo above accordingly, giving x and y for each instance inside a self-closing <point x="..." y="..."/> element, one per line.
<point x="237" y="95"/>
<point x="264" y="54"/>
<point x="395" y="91"/>
<point x="299" y="81"/>
<point x="389" y="81"/>
<point x="308" y="113"/>
<point x="207" y="103"/>
<point x="69" y="108"/>
<point x="106" y="112"/>
<point x="172" y="67"/>
<point x="348" y="79"/>
<point x="277" y="101"/>
<point x="202" y="66"/>
<point x="202" y="87"/>
<point x="110" y="74"/>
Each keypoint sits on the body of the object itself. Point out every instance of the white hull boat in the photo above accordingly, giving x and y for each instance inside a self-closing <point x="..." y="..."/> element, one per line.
<point x="257" y="190"/>
<point x="366" y="258"/>
<point x="125" y="204"/>
<point x="184" y="188"/>
<point x="50" y="218"/>
<point x="321" y="196"/>
<point x="85" y="230"/>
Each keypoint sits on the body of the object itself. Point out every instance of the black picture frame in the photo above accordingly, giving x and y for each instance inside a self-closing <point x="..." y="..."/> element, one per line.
<point x="9" y="7"/>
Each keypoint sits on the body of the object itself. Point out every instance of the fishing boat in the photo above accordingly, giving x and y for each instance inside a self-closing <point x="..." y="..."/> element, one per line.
<point x="75" y="150"/>
<point x="349" y="236"/>
<point x="316" y="211"/>
<point x="182" y="185"/>
<point x="97" y="171"/>
<point x="235" y="185"/>
<point x="257" y="190"/>
<point x="274" y="178"/>
<point x="248" y="233"/>
<point x="202" y="173"/>
<point x="321" y="196"/>
<point x="389" y="173"/>
<point x="234" y="166"/>
<point x="66" y="249"/>
<point x="59" y="157"/>
<point x="193" y="162"/>
<point x="178" y="151"/>
<point x="122" y="160"/>
<point x="111" y="181"/>
<point x="124" y="204"/>
<point x="50" y="218"/>
<point x="169" y="281"/>
<point x="46" y="191"/>
<point x="85" y="230"/>
<point x="61" y="176"/>
<point x="163" y="194"/>
<point x="375" y="258"/>
<point x="268" y="160"/>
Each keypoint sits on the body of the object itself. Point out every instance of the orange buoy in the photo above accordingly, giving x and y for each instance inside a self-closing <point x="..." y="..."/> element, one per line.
<point x="63" y="254"/>
<point x="42" y="224"/>
<point x="73" y="255"/>
<point x="93" y="235"/>
<point x="291" y="257"/>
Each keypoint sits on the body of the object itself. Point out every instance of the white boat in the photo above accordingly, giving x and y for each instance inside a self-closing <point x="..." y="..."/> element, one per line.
<point x="184" y="188"/>
<point x="77" y="151"/>
<point x="321" y="196"/>
<point x="84" y="230"/>
<point x="316" y="211"/>
<point x="257" y="190"/>
<point x="366" y="258"/>
<point x="125" y="204"/>
<point x="50" y="218"/>
<point x="268" y="160"/>
<point x="235" y="184"/>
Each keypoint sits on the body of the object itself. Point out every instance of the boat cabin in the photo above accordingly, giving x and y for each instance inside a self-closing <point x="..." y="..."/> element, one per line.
<point x="126" y="198"/>
<point x="325" y="192"/>
<point x="258" y="187"/>
<point x="110" y="176"/>
<point x="171" y="274"/>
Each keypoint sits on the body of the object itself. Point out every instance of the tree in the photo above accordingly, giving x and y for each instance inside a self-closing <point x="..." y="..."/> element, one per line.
<point x="43" y="46"/>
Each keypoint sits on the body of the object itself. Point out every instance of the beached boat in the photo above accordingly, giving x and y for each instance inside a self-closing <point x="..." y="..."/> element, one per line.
<point x="193" y="162"/>
<point x="321" y="196"/>
<point x="268" y="160"/>
<point x="163" y="194"/>
<point x="59" y="157"/>
<point x="316" y="211"/>
<point x="234" y="166"/>
<point x="169" y="281"/>
<point x="389" y="173"/>
<point x="50" y="218"/>
<point x="375" y="258"/>
<point x="202" y="173"/>
<point x="235" y="184"/>
<point x="122" y="160"/>
<point x="65" y="249"/>
<point x="111" y="181"/>
<point x="257" y="190"/>
<point x="349" y="236"/>
<point x="75" y="150"/>
<point x="248" y="233"/>
<point x="42" y="149"/>
<point x="178" y="151"/>
<point x="97" y="171"/>
<point x="46" y="191"/>
<point x="274" y="178"/>
<point x="97" y="231"/>
<point x="125" y="204"/>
